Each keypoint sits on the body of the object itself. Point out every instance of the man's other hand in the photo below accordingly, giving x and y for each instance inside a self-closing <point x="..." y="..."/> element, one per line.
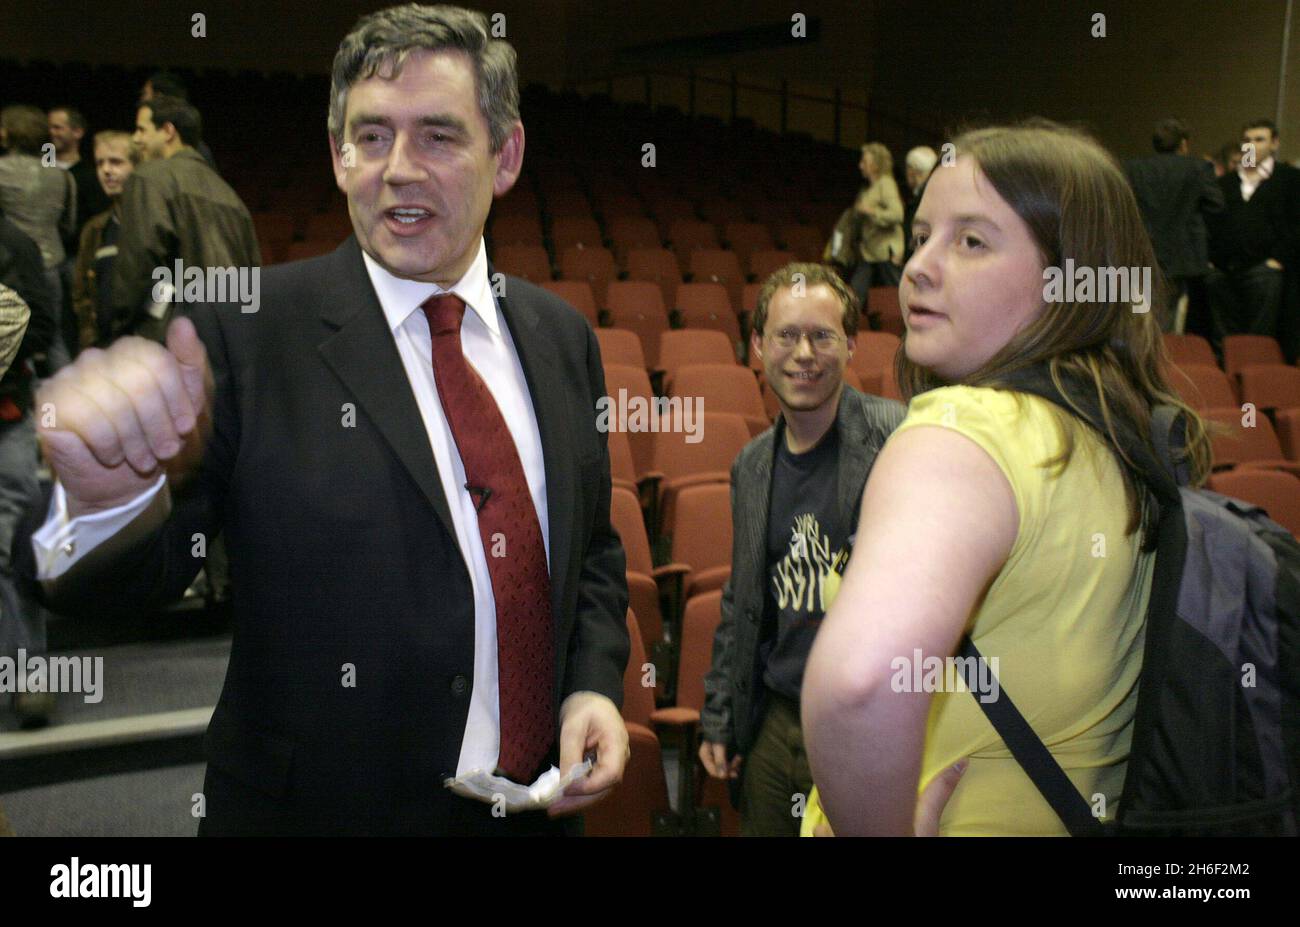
<point x="590" y="722"/>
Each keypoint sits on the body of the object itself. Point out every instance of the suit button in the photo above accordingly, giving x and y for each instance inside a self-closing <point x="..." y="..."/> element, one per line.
<point x="752" y="614"/>
<point x="743" y="685"/>
<point x="459" y="685"/>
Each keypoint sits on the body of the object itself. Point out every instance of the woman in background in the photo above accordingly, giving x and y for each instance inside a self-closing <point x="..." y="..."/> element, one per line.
<point x="868" y="240"/>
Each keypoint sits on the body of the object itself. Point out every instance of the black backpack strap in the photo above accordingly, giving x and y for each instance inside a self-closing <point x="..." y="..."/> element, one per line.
<point x="1032" y="754"/>
<point x="1168" y="431"/>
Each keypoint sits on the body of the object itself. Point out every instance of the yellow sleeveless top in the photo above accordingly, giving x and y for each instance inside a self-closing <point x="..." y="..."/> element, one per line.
<point x="1065" y="619"/>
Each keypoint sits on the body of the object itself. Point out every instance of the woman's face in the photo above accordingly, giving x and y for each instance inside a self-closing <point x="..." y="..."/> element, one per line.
<point x="867" y="165"/>
<point x="976" y="277"/>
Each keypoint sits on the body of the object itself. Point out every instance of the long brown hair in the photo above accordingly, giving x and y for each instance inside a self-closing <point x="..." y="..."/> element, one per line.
<point x="1078" y="205"/>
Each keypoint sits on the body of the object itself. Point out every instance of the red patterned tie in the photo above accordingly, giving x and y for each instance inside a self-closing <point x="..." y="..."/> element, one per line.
<point x="512" y="543"/>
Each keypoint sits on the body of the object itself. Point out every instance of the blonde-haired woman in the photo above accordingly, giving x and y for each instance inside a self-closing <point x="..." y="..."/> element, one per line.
<point x="868" y="240"/>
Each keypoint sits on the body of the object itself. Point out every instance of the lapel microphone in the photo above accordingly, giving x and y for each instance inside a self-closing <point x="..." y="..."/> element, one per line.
<point x="481" y="493"/>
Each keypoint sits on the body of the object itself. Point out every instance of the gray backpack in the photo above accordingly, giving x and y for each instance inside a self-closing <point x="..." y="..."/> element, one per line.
<point x="1216" y="737"/>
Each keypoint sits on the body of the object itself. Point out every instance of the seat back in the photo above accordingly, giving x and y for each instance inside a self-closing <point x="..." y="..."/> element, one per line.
<point x="1274" y="491"/>
<point x="1242" y="350"/>
<point x="725" y="388"/>
<point x="658" y="266"/>
<point x="1201" y="386"/>
<point x="693" y="346"/>
<point x="1242" y="445"/>
<point x="700" y="621"/>
<point x="578" y="294"/>
<point x="1189" y="349"/>
<point x="528" y="261"/>
<point x="1270" y="386"/>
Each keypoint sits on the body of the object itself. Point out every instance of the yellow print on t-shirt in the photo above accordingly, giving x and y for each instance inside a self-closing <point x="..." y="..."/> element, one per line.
<point x="808" y="575"/>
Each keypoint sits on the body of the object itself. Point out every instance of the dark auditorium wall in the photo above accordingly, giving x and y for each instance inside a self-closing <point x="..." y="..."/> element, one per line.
<point x="286" y="35"/>
<point x="921" y="63"/>
<point x="1212" y="62"/>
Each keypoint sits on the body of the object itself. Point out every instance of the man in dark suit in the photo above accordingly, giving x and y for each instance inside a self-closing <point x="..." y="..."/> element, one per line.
<point x="795" y="491"/>
<point x="1255" y="243"/>
<point x="404" y="457"/>
<point x="1175" y="193"/>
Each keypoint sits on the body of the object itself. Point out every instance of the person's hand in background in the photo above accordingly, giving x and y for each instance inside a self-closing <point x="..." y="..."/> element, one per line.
<point x="714" y="758"/>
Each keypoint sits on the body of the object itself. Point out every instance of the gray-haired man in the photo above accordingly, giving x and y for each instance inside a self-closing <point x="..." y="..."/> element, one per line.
<point x="405" y="459"/>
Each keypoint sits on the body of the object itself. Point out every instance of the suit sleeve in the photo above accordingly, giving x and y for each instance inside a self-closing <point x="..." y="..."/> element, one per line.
<point x="143" y="244"/>
<point x="1211" y="200"/>
<point x="151" y="562"/>
<point x="1286" y="247"/>
<point x="716" y="723"/>
<point x="599" y="644"/>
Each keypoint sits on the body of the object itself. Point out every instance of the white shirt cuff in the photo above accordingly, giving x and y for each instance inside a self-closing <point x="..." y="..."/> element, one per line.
<point x="61" y="542"/>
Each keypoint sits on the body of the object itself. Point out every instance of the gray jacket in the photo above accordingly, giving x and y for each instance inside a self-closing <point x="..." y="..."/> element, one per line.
<point x="41" y="201"/>
<point x="733" y="688"/>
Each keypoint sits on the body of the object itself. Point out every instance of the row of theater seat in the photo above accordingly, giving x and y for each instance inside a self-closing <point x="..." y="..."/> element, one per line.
<point x="640" y="806"/>
<point x="1255" y="400"/>
<point x="625" y="233"/>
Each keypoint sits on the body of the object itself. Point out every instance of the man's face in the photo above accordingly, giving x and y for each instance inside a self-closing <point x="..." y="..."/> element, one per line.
<point x="417" y="170"/>
<point x="66" y="139"/>
<point x="146" y="92"/>
<point x="1264" y="142"/>
<point x="113" y="165"/>
<point x="976" y="277"/>
<point x="802" y="376"/>
<point x="149" y="140"/>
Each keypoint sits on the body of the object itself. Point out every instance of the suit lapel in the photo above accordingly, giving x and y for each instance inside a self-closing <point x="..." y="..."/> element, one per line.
<point x="853" y="454"/>
<point x="547" y="389"/>
<point x="753" y="499"/>
<point x="362" y="353"/>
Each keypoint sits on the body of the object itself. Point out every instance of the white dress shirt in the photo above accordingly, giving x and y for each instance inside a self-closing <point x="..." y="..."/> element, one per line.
<point x="489" y="348"/>
<point x="1250" y="184"/>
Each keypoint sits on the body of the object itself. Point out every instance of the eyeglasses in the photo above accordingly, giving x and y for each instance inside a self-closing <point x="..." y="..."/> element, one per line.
<point x="822" y="339"/>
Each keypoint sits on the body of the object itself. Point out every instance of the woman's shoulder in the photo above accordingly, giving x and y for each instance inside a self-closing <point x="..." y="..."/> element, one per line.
<point x="1017" y="429"/>
<point x="887" y="183"/>
<point x="985" y="400"/>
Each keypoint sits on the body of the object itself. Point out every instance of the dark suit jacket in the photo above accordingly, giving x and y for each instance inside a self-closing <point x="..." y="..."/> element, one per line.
<point x="342" y="555"/>
<point x="1175" y="192"/>
<point x="1266" y="226"/>
<point x="733" y="688"/>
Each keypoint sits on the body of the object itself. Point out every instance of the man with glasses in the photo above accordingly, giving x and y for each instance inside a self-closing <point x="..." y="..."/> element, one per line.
<point x="795" y="491"/>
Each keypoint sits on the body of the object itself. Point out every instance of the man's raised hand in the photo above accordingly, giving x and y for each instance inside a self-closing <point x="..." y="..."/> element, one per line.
<point x="114" y="419"/>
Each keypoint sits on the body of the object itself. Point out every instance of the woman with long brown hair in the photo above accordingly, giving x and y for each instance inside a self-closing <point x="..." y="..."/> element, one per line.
<point x="995" y="513"/>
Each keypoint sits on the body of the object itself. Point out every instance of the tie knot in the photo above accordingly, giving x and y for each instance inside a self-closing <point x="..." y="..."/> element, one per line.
<point x="444" y="312"/>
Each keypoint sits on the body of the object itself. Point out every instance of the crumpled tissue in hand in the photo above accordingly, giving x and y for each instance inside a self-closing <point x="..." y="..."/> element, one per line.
<point x="481" y="785"/>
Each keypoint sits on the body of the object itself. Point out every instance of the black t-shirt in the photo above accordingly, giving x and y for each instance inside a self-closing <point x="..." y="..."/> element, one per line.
<point x="806" y="535"/>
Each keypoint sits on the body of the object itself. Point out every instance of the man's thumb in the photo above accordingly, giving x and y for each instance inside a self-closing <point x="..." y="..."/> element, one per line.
<point x="184" y="344"/>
